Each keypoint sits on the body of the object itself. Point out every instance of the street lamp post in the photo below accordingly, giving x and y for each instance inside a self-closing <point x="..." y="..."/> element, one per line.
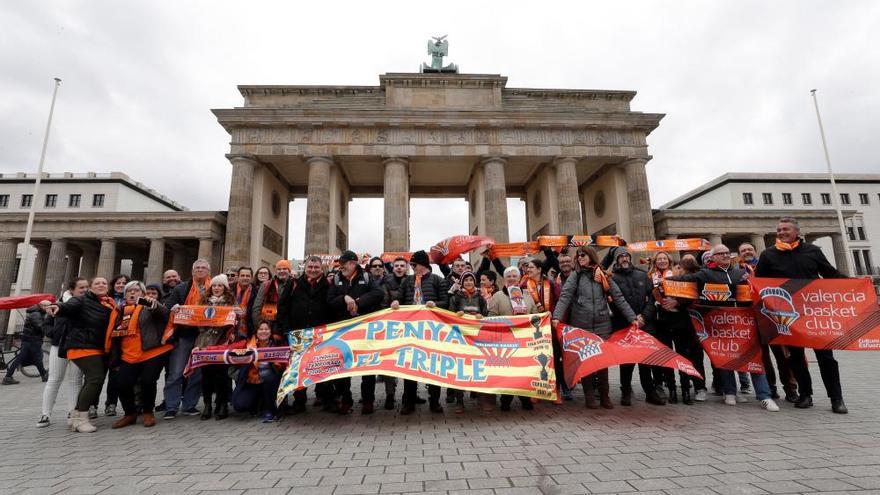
<point x="834" y="196"/>
<point x="33" y="210"/>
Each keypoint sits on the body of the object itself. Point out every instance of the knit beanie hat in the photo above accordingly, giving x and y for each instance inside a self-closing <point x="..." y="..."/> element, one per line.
<point x="421" y="258"/>
<point x="220" y="280"/>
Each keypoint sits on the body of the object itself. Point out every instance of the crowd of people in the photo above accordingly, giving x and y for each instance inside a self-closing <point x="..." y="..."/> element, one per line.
<point x="113" y="330"/>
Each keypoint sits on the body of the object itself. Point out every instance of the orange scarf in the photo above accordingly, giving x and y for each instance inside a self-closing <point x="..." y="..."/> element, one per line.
<point x="194" y="296"/>
<point x="110" y="303"/>
<point x="487" y="292"/>
<point x="417" y="291"/>
<point x="242" y="298"/>
<point x="546" y="302"/>
<point x="469" y="292"/>
<point x="787" y="246"/>
<point x="599" y="276"/>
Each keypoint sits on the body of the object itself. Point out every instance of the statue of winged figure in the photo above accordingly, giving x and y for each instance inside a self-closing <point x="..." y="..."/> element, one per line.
<point x="438" y="47"/>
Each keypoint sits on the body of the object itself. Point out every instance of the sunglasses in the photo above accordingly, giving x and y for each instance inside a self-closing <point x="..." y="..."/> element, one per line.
<point x="581" y="255"/>
<point x="375" y="266"/>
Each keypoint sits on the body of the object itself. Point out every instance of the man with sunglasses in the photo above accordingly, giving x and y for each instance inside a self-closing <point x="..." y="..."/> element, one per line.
<point x="377" y="273"/>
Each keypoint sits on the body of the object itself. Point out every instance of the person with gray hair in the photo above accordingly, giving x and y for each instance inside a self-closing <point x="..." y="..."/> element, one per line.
<point x="137" y="353"/>
<point x="792" y="257"/>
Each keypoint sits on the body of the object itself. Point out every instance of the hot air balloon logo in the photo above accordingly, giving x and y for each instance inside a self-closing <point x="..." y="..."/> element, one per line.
<point x="581" y="342"/>
<point x="699" y="325"/>
<point x="496" y="343"/>
<point x="778" y="308"/>
<point x="716" y="292"/>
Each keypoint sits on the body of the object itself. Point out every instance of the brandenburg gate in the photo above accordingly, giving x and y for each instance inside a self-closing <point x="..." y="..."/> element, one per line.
<point x="577" y="158"/>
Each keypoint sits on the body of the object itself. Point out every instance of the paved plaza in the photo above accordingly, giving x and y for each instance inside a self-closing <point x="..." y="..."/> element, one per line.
<point x="676" y="449"/>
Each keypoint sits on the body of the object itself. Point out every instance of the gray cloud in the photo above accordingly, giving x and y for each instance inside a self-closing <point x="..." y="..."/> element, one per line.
<point x="141" y="77"/>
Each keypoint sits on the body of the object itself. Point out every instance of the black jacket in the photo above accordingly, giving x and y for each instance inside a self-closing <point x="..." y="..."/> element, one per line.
<point x="87" y="319"/>
<point x="434" y="288"/>
<point x="470" y="305"/>
<point x="33" y="325"/>
<point x="362" y="288"/>
<point x="302" y="305"/>
<point x="804" y="261"/>
<point x="391" y="284"/>
<point x="731" y="277"/>
<point x="636" y="287"/>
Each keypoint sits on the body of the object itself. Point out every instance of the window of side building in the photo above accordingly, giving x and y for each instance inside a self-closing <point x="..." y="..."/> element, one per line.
<point x="786" y="198"/>
<point x="747" y="199"/>
<point x="826" y="198"/>
<point x="74" y="200"/>
<point x="51" y="200"/>
<point x="97" y="200"/>
<point x="863" y="198"/>
<point x="844" y="198"/>
<point x="4" y="201"/>
<point x="768" y="198"/>
<point x="27" y="200"/>
<point x="807" y="198"/>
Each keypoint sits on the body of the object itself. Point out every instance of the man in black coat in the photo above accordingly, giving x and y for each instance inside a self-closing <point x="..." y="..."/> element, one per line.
<point x="31" y="350"/>
<point x="432" y="291"/>
<point x="353" y="293"/>
<point x="792" y="257"/>
<point x="636" y="288"/>
<point x="303" y="304"/>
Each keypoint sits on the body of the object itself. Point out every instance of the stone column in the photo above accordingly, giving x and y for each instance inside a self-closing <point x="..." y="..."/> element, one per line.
<point x="107" y="259"/>
<point x="495" y="198"/>
<point x="318" y="206"/>
<point x="757" y="240"/>
<point x="641" y="216"/>
<point x="841" y="257"/>
<point x="41" y="261"/>
<point x="89" y="262"/>
<point x="73" y="260"/>
<point x="57" y="267"/>
<point x="179" y="260"/>
<point x="396" y="192"/>
<point x="567" y="197"/>
<point x="238" y="221"/>
<point x="206" y="252"/>
<point x="714" y="239"/>
<point x="137" y="268"/>
<point x="155" y="261"/>
<point x="8" y="248"/>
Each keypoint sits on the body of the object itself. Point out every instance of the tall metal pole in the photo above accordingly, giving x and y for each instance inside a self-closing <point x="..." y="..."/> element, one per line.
<point x="33" y="210"/>
<point x="834" y="196"/>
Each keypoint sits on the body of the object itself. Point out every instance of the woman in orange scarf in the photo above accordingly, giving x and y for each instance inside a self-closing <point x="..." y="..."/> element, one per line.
<point x="134" y="341"/>
<point x="545" y="292"/>
<point x="215" y="378"/>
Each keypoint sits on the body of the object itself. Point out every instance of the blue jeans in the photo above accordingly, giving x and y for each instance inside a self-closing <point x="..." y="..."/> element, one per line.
<point x="174" y="379"/>
<point x="728" y="384"/>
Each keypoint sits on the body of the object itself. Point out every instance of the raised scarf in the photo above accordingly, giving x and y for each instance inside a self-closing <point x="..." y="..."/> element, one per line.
<point x="542" y="294"/>
<point x="787" y="246"/>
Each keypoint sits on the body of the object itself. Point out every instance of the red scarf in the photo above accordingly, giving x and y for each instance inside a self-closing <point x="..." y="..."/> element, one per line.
<point x="787" y="246"/>
<point x="542" y="295"/>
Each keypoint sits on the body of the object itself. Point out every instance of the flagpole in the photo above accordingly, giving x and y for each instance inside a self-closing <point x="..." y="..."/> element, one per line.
<point x="834" y="196"/>
<point x="33" y="210"/>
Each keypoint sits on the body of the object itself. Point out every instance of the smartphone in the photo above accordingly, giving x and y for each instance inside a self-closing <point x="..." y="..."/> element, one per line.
<point x="143" y="301"/>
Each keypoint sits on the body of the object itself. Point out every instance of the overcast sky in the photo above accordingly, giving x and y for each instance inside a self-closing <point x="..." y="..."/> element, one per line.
<point x="733" y="79"/>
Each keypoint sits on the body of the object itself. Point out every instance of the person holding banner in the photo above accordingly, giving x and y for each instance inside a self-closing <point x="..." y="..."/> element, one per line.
<point x="303" y="304"/>
<point x="89" y="316"/>
<point x="265" y="306"/>
<point x="352" y="293"/>
<point x="215" y="379"/>
<point x="716" y="286"/>
<point x="466" y="301"/>
<point x="256" y="384"/>
<point x="583" y="303"/>
<point x="134" y="344"/>
<point x="793" y="257"/>
<point x="636" y="288"/>
<point x="183" y="339"/>
<point x="511" y="300"/>
<point x="421" y="288"/>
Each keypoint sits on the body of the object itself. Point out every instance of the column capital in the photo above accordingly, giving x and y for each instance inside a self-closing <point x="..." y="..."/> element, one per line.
<point x="558" y="160"/>
<point x="242" y="159"/>
<point x="319" y="159"/>
<point x="635" y="160"/>
<point x="492" y="158"/>
<point x="395" y="159"/>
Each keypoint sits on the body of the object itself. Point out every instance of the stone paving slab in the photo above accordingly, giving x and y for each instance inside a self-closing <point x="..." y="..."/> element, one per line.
<point x="554" y="450"/>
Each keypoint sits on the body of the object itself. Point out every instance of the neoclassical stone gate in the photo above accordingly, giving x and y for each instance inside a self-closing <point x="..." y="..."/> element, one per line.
<point x="577" y="157"/>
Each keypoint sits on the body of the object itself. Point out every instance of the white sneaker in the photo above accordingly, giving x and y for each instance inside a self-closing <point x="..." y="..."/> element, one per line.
<point x="769" y="405"/>
<point x="742" y="398"/>
<point x="730" y="400"/>
<point x="700" y="396"/>
<point x="43" y="422"/>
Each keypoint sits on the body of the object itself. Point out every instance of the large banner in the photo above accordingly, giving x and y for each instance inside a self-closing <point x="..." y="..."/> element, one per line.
<point x="496" y="355"/>
<point x="818" y="314"/>
<point x="20" y="302"/>
<point x="729" y="336"/>
<point x="584" y="353"/>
